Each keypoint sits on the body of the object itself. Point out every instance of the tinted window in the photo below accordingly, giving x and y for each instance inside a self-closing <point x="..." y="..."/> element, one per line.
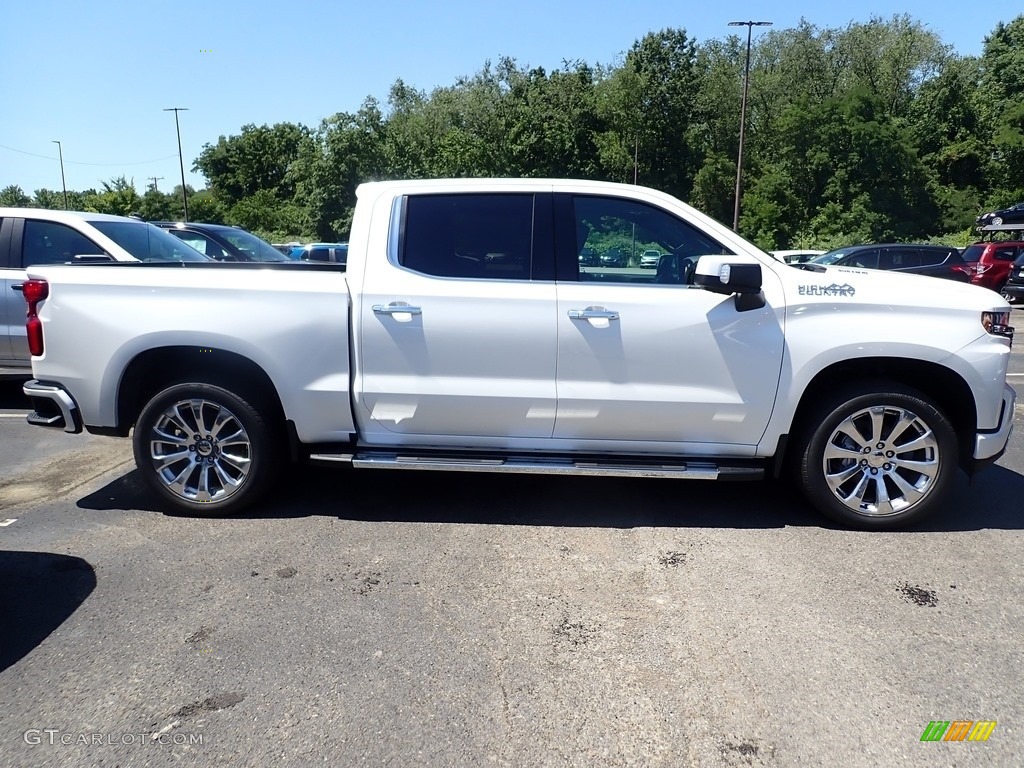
<point x="146" y="242"/>
<point x="201" y="243"/>
<point x="318" y="254"/>
<point x="473" y="235"/>
<point x="903" y="258"/>
<point x="1005" y="252"/>
<point x="45" y="242"/>
<point x="932" y="257"/>
<point x="252" y="248"/>
<point x="974" y="252"/>
<point x="866" y="259"/>
<point x="621" y="230"/>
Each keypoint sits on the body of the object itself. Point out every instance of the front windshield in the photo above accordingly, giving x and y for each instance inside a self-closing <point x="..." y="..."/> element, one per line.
<point x="252" y="246"/>
<point x="146" y="242"/>
<point x="829" y="258"/>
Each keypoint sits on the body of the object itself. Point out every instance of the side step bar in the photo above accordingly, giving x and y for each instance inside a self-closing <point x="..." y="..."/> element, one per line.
<point x="699" y="469"/>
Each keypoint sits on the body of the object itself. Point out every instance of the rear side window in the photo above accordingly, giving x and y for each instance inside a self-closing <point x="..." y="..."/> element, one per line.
<point x="472" y="235"/>
<point x="904" y="258"/>
<point x="46" y="242"/>
<point x="865" y="259"/>
<point x="1005" y="252"/>
<point x="933" y="257"/>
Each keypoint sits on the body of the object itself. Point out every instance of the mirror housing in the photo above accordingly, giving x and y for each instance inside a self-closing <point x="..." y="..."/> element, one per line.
<point x="727" y="275"/>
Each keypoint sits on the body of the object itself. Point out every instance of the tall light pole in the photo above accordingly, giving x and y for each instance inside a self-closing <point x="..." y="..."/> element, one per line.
<point x="743" y="114"/>
<point x="184" y="196"/>
<point x="63" y="183"/>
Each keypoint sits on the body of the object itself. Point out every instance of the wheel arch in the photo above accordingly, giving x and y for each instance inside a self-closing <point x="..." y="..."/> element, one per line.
<point x="156" y="369"/>
<point x="944" y="386"/>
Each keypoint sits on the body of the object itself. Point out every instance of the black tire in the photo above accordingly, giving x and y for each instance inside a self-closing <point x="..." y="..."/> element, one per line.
<point x="899" y="476"/>
<point x="205" y="450"/>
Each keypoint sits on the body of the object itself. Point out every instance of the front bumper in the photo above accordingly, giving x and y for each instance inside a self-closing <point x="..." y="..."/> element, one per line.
<point x="990" y="444"/>
<point x="52" y="407"/>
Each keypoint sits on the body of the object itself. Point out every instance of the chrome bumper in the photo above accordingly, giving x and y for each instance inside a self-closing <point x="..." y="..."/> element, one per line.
<point x="53" y="407"/>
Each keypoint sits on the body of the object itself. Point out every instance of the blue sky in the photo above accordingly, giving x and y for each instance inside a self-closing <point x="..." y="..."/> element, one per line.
<point x="97" y="75"/>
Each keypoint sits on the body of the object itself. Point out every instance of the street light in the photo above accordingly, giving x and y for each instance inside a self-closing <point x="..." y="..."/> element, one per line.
<point x="184" y="197"/>
<point x="743" y="114"/>
<point x="62" y="182"/>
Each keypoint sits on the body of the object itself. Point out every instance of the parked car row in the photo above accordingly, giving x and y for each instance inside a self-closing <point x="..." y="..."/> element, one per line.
<point x="986" y="264"/>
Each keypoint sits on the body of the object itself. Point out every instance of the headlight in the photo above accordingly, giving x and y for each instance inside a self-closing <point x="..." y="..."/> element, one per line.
<point x="997" y="323"/>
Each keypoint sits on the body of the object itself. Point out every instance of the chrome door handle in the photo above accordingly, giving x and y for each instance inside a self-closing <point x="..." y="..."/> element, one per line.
<point x="18" y="287"/>
<point x="592" y="314"/>
<point x="396" y="309"/>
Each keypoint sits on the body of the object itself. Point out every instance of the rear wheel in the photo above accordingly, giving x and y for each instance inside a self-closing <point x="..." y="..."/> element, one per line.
<point x="204" y="449"/>
<point x="877" y="459"/>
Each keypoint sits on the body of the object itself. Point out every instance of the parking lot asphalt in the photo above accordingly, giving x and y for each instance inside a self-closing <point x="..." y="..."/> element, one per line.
<point x="439" y="619"/>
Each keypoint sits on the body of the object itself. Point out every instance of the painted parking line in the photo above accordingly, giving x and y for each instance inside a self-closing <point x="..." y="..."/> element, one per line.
<point x="8" y="521"/>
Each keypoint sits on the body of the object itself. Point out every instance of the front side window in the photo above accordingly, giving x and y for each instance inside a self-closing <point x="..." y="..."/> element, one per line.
<point x="46" y="242"/>
<point x="625" y="241"/>
<point x="475" y="235"/>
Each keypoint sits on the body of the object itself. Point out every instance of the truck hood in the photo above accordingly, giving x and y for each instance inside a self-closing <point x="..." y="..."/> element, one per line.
<point x="871" y="286"/>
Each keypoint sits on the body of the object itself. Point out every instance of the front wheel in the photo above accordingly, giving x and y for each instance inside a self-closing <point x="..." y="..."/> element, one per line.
<point x="203" y="449"/>
<point x="877" y="460"/>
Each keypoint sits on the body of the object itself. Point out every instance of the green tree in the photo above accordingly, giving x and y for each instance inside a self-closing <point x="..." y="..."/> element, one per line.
<point x="259" y="158"/>
<point x="13" y="196"/>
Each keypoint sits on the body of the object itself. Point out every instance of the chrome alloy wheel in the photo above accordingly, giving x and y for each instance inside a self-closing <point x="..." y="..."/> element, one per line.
<point x="881" y="460"/>
<point x="200" y="450"/>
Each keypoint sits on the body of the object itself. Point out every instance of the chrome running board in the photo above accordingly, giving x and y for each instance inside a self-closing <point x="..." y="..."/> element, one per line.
<point x="697" y="469"/>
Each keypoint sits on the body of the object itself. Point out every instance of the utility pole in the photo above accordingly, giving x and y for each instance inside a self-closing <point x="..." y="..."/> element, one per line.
<point x="181" y="163"/>
<point x="63" y="183"/>
<point x="743" y="114"/>
<point x="155" y="179"/>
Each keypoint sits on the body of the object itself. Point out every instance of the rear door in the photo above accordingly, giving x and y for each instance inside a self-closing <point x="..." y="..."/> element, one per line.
<point x="457" y="323"/>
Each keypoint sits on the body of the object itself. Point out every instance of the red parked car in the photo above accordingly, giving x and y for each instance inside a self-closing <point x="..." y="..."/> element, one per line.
<point x="991" y="263"/>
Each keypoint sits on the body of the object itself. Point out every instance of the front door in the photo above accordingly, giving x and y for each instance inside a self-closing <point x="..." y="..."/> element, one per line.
<point x="644" y="356"/>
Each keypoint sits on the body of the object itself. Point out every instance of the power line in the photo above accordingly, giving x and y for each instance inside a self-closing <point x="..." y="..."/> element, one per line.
<point x="78" y="162"/>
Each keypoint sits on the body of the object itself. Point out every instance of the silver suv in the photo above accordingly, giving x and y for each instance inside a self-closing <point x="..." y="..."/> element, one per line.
<point x="30" y="236"/>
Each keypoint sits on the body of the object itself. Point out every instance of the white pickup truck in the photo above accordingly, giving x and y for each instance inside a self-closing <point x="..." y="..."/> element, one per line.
<point x="474" y="329"/>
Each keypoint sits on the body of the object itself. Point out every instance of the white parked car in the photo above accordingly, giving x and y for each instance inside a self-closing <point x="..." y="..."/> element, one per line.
<point x="35" y="236"/>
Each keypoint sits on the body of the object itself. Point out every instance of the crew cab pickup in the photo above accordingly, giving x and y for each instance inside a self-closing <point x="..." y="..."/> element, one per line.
<point x="466" y="334"/>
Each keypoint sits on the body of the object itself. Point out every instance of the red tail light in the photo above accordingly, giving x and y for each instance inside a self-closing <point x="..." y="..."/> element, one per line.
<point x="34" y="292"/>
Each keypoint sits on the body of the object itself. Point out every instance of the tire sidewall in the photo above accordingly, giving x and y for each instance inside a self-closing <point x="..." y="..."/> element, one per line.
<point x="261" y="446"/>
<point x="832" y="413"/>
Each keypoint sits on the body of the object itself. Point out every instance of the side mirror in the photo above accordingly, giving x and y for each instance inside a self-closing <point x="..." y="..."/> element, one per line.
<point x="719" y="274"/>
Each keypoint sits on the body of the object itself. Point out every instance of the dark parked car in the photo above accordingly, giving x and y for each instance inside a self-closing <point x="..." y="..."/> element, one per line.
<point x="223" y="243"/>
<point x="588" y="258"/>
<point x="933" y="260"/>
<point x="1012" y="215"/>
<point x="614" y="258"/>
<point x="1013" y="289"/>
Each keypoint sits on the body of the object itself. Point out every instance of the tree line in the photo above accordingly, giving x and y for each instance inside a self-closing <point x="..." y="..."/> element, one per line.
<point x="870" y="132"/>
